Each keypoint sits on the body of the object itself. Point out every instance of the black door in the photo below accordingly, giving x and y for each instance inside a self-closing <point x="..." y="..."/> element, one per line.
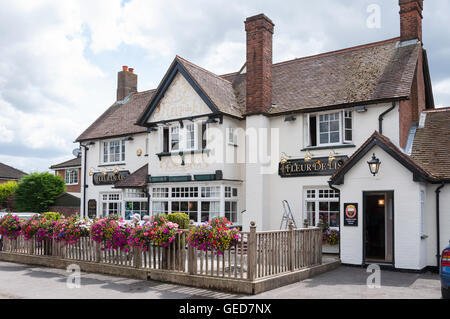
<point x="378" y="227"/>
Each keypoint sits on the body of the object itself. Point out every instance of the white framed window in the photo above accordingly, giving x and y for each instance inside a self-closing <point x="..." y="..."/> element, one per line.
<point x="136" y="202"/>
<point x="322" y="205"/>
<point x="232" y="136"/>
<point x="174" y="138"/>
<point x="111" y="204"/>
<point x="201" y="202"/>
<point x="328" y="129"/>
<point x="71" y="176"/>
<point x="422" y="212"/>
<point x="190" y="135"/>
<point x="114" y="151"/>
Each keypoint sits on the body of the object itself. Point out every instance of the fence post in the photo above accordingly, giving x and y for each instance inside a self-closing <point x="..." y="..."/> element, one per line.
<point x="137" y="254"/>
<point x="192" y="258"/>
<point x="319" y="244"/>
<point x="291" y="246"/>
<point x="251" y="252"/>
<point x="98" y="252"/>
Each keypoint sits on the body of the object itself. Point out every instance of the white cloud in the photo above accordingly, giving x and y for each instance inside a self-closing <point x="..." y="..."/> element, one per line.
<point x="54" y="81"/>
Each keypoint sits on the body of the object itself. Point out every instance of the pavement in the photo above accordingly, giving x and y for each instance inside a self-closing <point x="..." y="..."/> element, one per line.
<point x="21" y="281"/>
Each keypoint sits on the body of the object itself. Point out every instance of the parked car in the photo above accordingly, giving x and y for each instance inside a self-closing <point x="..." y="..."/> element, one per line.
<point x="445" y="273"/>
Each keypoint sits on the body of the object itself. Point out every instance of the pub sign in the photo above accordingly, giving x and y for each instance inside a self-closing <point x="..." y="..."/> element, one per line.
<point x="351" y="214"/>
<point x="110" y="177"/>
<point x="315" y="167"/>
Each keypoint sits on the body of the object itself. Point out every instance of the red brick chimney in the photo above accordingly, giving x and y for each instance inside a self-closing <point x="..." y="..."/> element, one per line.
<point x="126" y="83"/>
<point x="259" y="30"/>
<point x="411" y="19"/>
<point x="411" y="29"/>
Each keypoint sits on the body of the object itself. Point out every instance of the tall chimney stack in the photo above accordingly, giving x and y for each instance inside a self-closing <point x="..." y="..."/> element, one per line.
<point x="411" y="19"/>
<point x="259" y="30"/>
<point x="126" y="83"/>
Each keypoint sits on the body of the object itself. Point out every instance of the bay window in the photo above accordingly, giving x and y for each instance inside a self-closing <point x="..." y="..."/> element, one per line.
<point x="201" y="203"/>
<point x="135" y="203"/>
<point x="327" y="129"/>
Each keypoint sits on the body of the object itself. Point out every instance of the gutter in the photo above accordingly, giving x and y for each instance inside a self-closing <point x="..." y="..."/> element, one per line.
<point x="438" y="234"/>
<point x="381" y="117"/>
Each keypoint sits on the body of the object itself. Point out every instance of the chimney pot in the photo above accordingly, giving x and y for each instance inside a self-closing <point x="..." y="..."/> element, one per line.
<point x="126" y="83"/>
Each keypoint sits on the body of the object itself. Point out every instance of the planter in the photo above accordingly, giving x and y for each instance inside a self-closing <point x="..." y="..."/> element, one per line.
<point x="328" y="249"/>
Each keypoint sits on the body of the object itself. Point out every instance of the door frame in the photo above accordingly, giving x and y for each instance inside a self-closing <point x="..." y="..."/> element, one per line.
<point x="364" y="194"/>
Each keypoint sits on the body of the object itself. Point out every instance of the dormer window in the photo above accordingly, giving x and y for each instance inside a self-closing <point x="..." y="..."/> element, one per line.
<point x="328" y="129"/>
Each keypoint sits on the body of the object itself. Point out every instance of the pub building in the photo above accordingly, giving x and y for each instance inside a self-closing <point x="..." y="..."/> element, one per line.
<point x="351" y="138"/>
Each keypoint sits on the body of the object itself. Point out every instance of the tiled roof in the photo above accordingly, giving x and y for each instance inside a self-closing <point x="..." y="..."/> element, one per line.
<point x="70" y="163"/>
<point x="137" y="179"/>
<point x="368" y="73"/>
<point x="119" y="119"/>
<point x="8" y="172"/>
<point x="386" y="143"/>
<point x="431" y="145"/>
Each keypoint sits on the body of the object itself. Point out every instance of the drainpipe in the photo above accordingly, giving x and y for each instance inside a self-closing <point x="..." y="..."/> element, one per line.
<point x="381" y="117"/>
<point x="438" y="233"/>
<point x="86" y="148"/>
<point x="330" y="184"/>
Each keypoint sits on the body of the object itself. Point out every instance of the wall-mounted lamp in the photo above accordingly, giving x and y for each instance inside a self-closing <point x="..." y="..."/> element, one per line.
<point x="211" y="121"/>
<point x="104" y="173"/>
<point x="152" y="129"/>
<point x="129" y="138"/>
<point x="290" y="118"/>
<point x="361" y="109"/>
<point x="331" y="157"/>
<point x="116" y="171"/>
<point x="309" y="156"/>
<point x="374" y="165"/>
<point x="284" y="158"/>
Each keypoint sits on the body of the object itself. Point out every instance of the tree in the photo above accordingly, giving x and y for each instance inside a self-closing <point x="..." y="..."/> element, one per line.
<point x="37" y="191"/>
<point x="6" y="191"/>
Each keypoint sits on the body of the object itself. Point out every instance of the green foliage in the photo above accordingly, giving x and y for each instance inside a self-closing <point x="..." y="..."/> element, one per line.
<point x="6" y="191"/>
<point x="37" y="191"/>
<point x="52" y="215"/>
<point x="182" y="219"/>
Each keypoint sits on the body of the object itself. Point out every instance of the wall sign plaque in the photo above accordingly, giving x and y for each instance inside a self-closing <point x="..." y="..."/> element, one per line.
<point x="351" y="214"/>
<point x="316" y="167"/>
<point x="110" y="178"/>
<point x="92" y="208"/>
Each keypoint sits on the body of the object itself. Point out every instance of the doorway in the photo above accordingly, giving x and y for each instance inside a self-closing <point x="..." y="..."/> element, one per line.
<point x="378" y="227"/>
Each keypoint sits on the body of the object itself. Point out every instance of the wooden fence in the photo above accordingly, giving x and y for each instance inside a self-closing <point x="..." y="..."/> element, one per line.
<point x="256" y="255"/>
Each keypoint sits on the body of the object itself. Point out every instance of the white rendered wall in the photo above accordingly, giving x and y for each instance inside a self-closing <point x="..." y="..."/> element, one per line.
<point x="391" y="177"/>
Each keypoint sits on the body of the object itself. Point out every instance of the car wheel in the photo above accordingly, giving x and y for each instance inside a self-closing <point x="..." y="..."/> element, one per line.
<point x="445" y="293"/>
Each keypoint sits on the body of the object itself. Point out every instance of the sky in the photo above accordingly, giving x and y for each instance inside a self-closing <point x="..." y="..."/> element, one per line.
<point x="59" y="59"/>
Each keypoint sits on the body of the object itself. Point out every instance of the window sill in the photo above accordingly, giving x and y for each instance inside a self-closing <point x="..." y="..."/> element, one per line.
<point x="328" y="147"/>
<point x="181" y="153"/>
<point x="112" y="164"/>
